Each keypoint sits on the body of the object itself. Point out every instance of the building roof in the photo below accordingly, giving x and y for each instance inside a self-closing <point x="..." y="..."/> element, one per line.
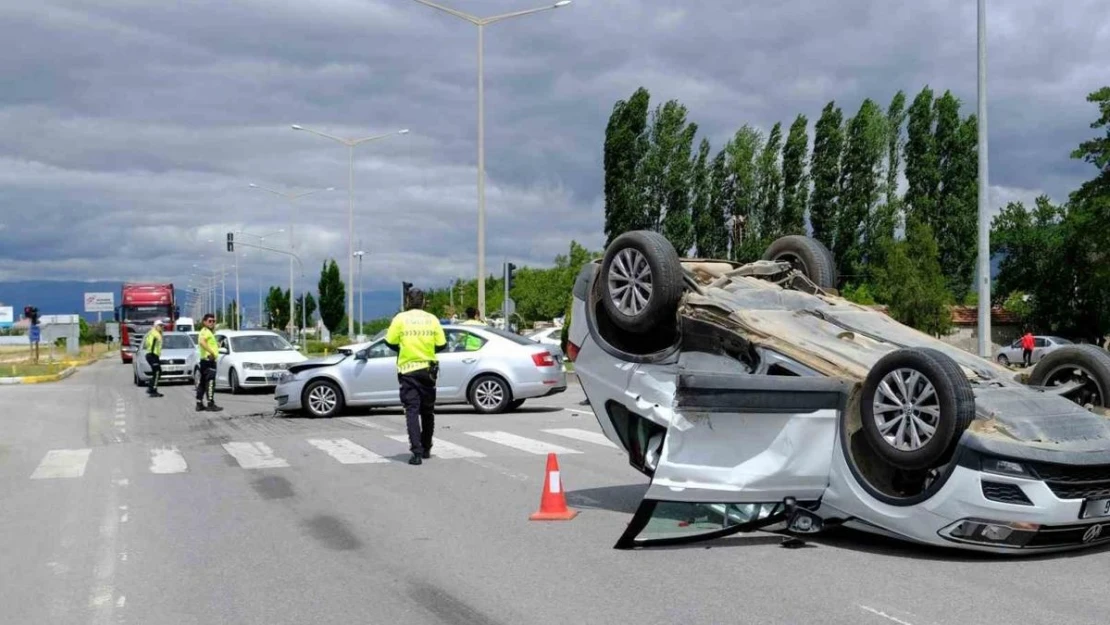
<point x="969" y="315"/>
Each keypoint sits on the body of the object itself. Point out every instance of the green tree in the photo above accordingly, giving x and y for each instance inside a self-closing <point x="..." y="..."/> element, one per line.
<point x="277" y="307"/>
<point x="707" y="225"/>
<point x="716" y="233"/>
<point x="625" y="145"/>
<point x="860" y="188"/>
<point x="795" y="184"/>
<point x="922" y="169"/>
<point x="768" y="203"/>
<point x="333" y="296"/>
<point x="308" y="304"/>
<point x="664" y="175"/>
<point x="957" y="202"/>
<point x="911" y="281"/>
<point x="895" y="142"/>
<point x="828" y="144"/>
<point x="743" y="152"/>
<point x="1019" y="305"/>
<point x="230" y="313"/>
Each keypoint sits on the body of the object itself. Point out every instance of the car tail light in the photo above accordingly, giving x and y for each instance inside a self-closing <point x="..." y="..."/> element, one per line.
<point x="543" y="359"/>
<point x="572" y="351"/>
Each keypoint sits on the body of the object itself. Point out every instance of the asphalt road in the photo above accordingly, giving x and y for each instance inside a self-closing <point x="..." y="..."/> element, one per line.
<point x="117" y="508"/>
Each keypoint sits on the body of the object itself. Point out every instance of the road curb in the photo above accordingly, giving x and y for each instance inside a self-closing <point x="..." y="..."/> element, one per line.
<point x="41" y="379"/>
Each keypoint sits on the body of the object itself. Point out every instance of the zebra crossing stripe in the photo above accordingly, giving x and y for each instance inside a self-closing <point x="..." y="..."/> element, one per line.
<point x="254" y="456"/>
<point x="60" y="463"/>
<point x="167" y="461"/>
<point x="444" y="449"/>
<point x="596" y="438"/>
<point x="345" y="451"/>
<point x="522" y="443"/>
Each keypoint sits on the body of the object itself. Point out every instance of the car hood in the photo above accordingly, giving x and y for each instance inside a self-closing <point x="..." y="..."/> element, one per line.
<point x="271" y="357"/>
<point x="178" y="353"/>
<point x="844" y="340"/>
<point x="315" y="363"/>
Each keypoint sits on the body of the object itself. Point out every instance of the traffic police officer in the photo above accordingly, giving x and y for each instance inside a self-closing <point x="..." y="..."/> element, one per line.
<point x="472" y="318"/>
<point x="152" y="346"/>
<point x="209" y="353"/>
<point x="417" y="336"/>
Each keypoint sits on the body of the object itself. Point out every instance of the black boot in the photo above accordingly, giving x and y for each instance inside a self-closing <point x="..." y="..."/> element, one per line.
<point x="200" y="406"/>
<point x="212" y="407"/>
<point x="415" y="459"/>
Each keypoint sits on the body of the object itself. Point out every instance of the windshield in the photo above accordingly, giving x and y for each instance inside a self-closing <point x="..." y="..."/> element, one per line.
<point x="260" y="343"/>
<point x="143" y="313"/>
<point x="176" y="341"/>
<point x="1060" y="341"/>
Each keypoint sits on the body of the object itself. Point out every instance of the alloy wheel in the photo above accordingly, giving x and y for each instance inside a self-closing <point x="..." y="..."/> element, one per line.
<point x="489" y="394"/>
<point x="322" y="399"/>
<point x="630" y="282"/>
<point x="906" y="409"/>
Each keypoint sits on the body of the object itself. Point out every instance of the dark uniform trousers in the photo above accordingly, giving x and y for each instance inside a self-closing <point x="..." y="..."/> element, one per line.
<point x="418" y="396"/>
<point x="207" y="384"/>
<point x="155" y="371"/>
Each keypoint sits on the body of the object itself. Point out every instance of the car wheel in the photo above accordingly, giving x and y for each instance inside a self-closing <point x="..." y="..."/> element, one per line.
<point x="1086" y="365"/>
<point x="516" y="403"/>
<point x="807" y="255"/>
<point x="233" y="382"/>
<point x="196" y="377"/>
<point x="490" y="394"/>
<point x="1003" y="360"/>
<point x="642" y="281"/>
<point x="138" y="382"/>
<point x="322" y="398"/>
<point x="914" y="406"/>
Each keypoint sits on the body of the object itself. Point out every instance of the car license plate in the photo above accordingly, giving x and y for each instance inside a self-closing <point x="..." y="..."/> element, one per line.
<point x="276" y="375"/>
<point x="1094" y="508"/>
<point x="172" y="369"/>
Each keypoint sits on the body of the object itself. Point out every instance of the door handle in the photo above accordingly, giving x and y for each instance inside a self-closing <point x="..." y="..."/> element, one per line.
<point x="470" y="360"/>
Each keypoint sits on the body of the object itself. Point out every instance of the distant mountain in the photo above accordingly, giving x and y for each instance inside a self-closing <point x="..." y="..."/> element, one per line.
<point x="67" y="298"/>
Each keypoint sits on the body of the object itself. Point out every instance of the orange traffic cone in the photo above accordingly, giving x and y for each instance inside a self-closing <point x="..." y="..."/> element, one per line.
<point x="553" y="504"/>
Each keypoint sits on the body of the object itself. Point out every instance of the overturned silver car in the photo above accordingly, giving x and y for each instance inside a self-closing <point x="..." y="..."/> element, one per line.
<point x="756" y="398"/>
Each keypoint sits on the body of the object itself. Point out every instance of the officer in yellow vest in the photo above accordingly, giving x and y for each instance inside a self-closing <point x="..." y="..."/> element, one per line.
<point x="209" y="354"/>
<point x="417" y="337"/>
<point x="473" y="343"/>
<point x="152" y="347"/>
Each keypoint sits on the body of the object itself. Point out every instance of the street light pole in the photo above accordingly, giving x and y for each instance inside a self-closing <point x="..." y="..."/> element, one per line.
<point x="984" y="196"/>
<point x="481" y="23"/>
<point x="351" y="143"/>
<point x="360" y="254"/>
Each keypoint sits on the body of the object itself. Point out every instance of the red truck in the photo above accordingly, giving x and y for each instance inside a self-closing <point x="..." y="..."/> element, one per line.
<point x="140" y="304"/>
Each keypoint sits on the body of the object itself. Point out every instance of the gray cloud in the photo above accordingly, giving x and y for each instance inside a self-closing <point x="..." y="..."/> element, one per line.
<point x="130" y="130"/>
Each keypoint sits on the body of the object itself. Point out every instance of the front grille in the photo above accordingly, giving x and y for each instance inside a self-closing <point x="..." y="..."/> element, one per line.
<point x="1005" y="493"/>
<point x="174" y="361"/>
<point x="1074" y="482"/>
<point x="1066" y="535"/>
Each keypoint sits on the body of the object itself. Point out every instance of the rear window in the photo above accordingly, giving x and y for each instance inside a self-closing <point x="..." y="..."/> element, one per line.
<point x="516" y="338"/>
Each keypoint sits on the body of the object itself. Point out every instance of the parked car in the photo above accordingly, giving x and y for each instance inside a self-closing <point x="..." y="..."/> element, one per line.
<point x="753" y="397"/>
<point x="1042" y="346"/>
<point x="501" y="374"/>
<point x="178" y="359"/>
<point x="251" y="359"/>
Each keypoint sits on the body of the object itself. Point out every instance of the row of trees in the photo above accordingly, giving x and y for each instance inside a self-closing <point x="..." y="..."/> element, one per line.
<point x="332" y="303"/>
<point x="914" y="250"/>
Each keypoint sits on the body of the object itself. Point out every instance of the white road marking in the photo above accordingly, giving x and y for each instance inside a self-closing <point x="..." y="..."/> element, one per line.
<point x="62" y="463"/>
<point x="254" y="456"/>
<point x="529" y="445"/>
<point x="585" y="412"/>
<point x="167" y="461"/>
<point x="123" y="519"/>
<point x="345" y="451"/>
<point x="444" y="449"/>
<point x="596" y="438"/>
<point x="121" y="601"/>
<point x="367" y="423"/>
<point x="885" y="615"/>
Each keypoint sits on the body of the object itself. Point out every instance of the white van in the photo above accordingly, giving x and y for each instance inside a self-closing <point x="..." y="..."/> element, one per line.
<point x="185" y="324"/>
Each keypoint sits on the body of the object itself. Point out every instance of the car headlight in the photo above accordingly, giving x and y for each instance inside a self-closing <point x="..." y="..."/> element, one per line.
<point x="251" y="365"/>
<point x="287" y="377"/>
<point x="1005" y="467"/>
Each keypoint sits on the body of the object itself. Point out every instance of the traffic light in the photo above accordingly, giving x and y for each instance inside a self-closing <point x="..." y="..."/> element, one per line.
<point x="231" y="241"/>
<point x="32" y="313"/>
<point x="510" y="275"/>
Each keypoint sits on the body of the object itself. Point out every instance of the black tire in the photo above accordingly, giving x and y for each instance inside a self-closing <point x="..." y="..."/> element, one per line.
<point x="196" y="377"/>
<point x="322" y="399"/>
<point x="1090" y="363"/>
<point x="233" y="382"/>
<point x="807" y="255"/>
<point x="663" y="281"/>
<point x="1003" y="360"/>
<point x="138" y="382"/>
<point x="952" y="399"/>
<point x="489" y="394"/>
<point x="516" y="403"/>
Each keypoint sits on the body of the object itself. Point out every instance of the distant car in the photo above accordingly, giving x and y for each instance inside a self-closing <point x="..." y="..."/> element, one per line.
<point x="1042" y="346"/>
<point x="179" y="358"/>
<point x="547" y="336"/>
<point x="503" y="372"/>
<point x="185" y="324"/>
<point x="252" y="359"/>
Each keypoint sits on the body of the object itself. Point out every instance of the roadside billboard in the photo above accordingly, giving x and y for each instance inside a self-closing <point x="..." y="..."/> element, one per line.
<point x="100" y="302"/>
<point x="6" y="316"/>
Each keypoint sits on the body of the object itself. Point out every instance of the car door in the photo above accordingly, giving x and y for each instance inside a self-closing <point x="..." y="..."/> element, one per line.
<point x="457" y="363"/>
<point x="223" y="362"/>
<point x="736" y="449"/>
<point x="374" y="379"/>
<point x="1040" y="344"/>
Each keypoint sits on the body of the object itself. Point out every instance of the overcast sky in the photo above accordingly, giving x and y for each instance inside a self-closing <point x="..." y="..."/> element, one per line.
<point x="130" y="130"/>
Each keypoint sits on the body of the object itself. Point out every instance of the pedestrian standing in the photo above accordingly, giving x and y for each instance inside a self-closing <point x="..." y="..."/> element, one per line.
<point x="1027" y="343"/>
<point x="472" y="318"/>
<point x="417" y="337"/>
<point x="152" y="347"/>
<point x="209" y="353"/>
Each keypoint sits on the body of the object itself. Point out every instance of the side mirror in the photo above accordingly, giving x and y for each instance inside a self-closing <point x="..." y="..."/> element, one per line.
<point x="362" y="354"/>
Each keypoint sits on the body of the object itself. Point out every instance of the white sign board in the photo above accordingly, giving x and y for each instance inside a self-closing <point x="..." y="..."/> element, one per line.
<point x="100" y="302"/>
<point x="6" y="317"/>
<point x="58" y="319"/>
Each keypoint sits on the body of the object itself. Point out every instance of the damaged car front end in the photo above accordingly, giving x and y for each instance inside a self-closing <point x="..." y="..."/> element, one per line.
<point x="754" y="398"/>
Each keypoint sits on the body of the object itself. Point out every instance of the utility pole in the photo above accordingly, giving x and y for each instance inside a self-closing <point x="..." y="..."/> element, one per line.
<point x="984" y="196"/>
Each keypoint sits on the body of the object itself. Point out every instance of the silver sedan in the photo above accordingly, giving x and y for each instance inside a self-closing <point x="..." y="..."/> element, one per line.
<point x="1042" y="346"/>
<point x="495" y="373"/>
<point x="179" y="357"/>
